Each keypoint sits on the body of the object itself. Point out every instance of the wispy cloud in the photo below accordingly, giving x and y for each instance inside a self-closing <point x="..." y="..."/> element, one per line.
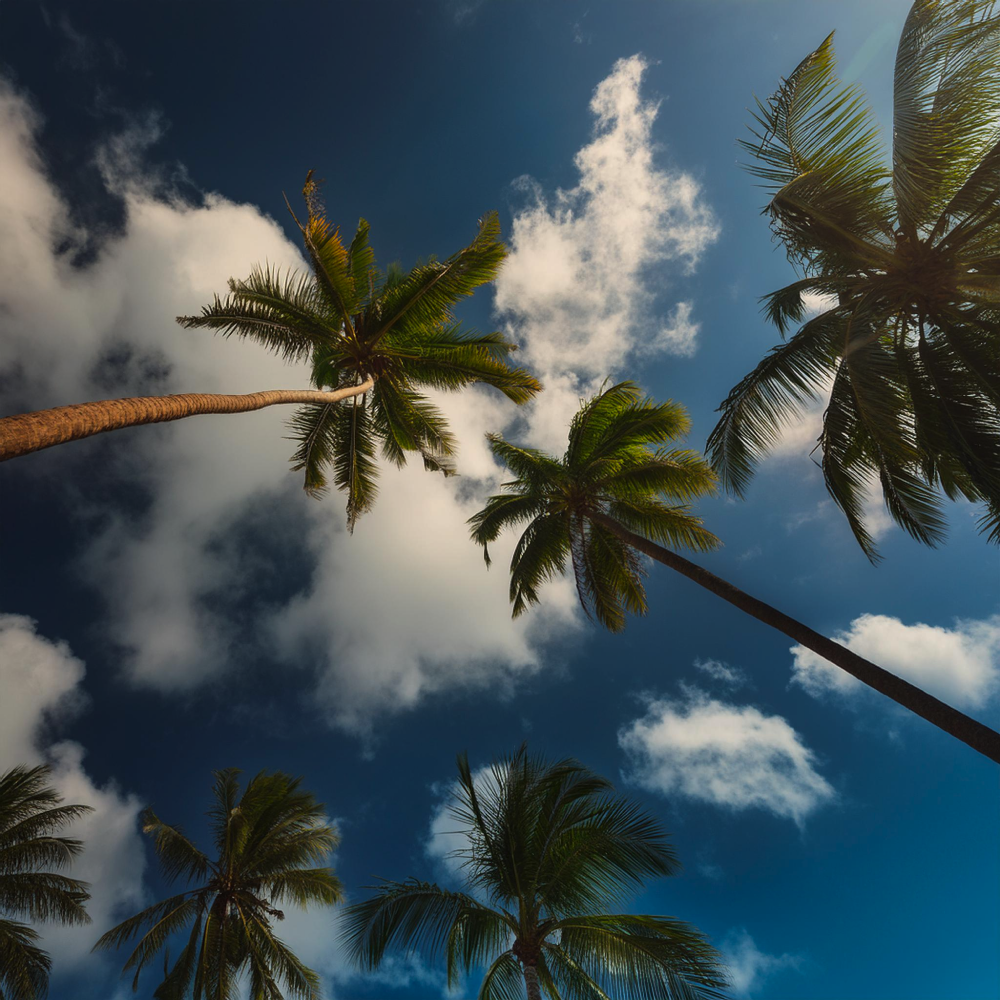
<point x="749" y="967"/>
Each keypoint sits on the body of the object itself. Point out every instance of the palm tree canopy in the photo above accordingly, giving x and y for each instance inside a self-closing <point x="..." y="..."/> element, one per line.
<point x="549" y="847"/>
<point x="31" y="815"/>
<point x="618" y="463"/>
<point x="270" y="843"/>
<point x="907" y="263"/>
<point x="355" y="322"/>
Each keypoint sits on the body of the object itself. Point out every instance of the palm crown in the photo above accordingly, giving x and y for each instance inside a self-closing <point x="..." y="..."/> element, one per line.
<point x="355" y="322"/>
<point x="550" y="847"/>
<point x="269" y="843"/>
<point x="31" y="814"/>
<point x="616" y="465"/>
<point x="909" y="262"/>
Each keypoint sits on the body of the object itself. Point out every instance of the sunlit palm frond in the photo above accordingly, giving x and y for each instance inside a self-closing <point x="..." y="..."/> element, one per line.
<point x="405" y="421"/>
<point x="451" y="358"/>
<point x="946" y="103"/>
<point x="425" y="297"/>
<point x="281" y="311"/>
<point x="912" y="265"/>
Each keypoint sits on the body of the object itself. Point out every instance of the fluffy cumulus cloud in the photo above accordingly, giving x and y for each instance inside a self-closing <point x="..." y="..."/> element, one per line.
<point x="405" y="608"/>
<point x="577" y="290"/>
<point x="42" y="681"/>
<point x="749" y="967"/>
<point x="733" y="756"/>
<point x="959" y="665"/>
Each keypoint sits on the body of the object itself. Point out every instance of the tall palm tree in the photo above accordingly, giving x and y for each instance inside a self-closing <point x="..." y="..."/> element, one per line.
<point x="270" y="842"/>
<point x="377" y="338"/>
<point x="619" y="490"/>
<point x="550" y="849"/>
<point x="31" y="815"/>
<point x="907" y="263"/>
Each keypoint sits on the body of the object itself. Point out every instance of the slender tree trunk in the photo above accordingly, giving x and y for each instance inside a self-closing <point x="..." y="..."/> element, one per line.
<point x="28" y="432"/>
<point x="531" y="982"/>
<point x="957" y="724"/>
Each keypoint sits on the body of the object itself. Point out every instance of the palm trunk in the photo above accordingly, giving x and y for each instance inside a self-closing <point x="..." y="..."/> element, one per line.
<point x="975" y="734"/>
<point x="28" y="432"/>
<point x="531" y="983"/>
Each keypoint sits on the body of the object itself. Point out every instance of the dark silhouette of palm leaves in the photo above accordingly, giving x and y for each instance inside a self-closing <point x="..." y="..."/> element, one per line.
<point x="354" y="322"/>
<point x="31" y="815"/>
<point x="269" y="842"/>
<point x="550" y="847"/>
<point x="909" y="260"/>
<point x="618" y="463"/>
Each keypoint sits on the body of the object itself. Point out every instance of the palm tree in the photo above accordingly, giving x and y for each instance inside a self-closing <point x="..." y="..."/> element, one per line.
<point x="611" y="496"/>
<point x="907" y="263"/>
<point x="550" y="848"/>
<point x="373" y="337"/>
<point x="268" y="842"/>
<point x="31" y="816"/>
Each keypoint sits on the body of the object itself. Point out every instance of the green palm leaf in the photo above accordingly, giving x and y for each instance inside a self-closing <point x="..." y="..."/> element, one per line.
<point x="912" y="257"/>
<point x="269" y="836"/>
<point x="546" y="841"/>
<point x="32" y="815"/>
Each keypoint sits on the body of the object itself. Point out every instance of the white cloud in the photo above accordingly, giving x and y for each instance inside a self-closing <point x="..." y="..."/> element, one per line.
<point x="577" y="289"/>
<point x="41" y="682"/>
<point x="733" y="756"/>
<point x="959" y="665"/>
<point x="171" y="572"/>
<point x="723" y="672"/>
<point x="749" y="967"/>
<point x="405" y="608"/>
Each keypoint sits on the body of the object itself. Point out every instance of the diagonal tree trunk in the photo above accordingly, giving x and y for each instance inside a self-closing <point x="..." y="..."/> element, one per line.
<point x="28" y="432"/>
<point x="953" y="722"/>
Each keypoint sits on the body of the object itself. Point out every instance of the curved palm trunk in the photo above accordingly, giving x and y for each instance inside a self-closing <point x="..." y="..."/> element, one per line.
<point x="531" y="983"/>
<point x="28" y="432"/>
<point x="957" y="724"/>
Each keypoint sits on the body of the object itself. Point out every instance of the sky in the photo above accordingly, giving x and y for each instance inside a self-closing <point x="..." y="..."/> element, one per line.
<point x="173" y="603"/>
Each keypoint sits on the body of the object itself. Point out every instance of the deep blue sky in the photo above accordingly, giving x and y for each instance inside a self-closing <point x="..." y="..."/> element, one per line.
<point x="421" y="116"/>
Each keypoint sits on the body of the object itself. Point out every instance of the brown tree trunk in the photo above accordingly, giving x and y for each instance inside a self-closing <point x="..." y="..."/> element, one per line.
<point x="953" y="722"/>
<point x="531" y="983"/>
<point x="28" y="432"/>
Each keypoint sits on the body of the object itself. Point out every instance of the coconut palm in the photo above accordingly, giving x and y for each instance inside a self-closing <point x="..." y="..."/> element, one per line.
<point x="377" y="338"/>
<point x="905" y="266"/>
<point x="620" y="490"/>
<point x="551" y="854"/>
<point x="31" y="815"/>
<point x="270" y="843"/>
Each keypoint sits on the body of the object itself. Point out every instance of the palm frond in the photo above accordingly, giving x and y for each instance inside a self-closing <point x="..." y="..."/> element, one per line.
<point x="816" y="147"/>
<point x="503" y="979"/>
<point x="761" y="405"/>
<point x="946" y="102"/>
<point x="425" y="297"/>
<point x="281" y="311"/>
<point x="24" y="967"/>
